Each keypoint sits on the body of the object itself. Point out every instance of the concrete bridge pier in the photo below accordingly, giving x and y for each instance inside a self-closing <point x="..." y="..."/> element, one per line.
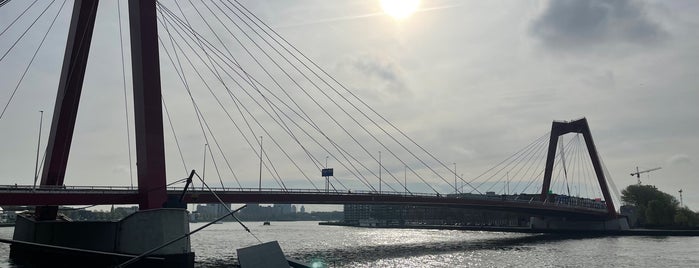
<point x="549" y="224"/>
<point x="105" y="244"/>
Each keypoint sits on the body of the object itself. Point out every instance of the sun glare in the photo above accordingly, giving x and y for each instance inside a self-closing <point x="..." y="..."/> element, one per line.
<point x="400" y="9"/>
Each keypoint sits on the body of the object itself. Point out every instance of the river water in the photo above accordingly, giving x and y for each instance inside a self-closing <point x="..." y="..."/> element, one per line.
<point x="337" y="246"/>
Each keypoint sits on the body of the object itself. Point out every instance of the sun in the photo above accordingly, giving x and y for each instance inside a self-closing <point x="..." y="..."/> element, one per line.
<point x="400" y="9"/>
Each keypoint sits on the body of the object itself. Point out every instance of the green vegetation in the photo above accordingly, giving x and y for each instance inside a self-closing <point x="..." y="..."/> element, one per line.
<point x="655" y="208"/>
<point x="88" y="215"/>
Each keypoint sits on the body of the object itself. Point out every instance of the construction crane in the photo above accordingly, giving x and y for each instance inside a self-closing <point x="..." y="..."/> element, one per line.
<point x="638" y="173"/>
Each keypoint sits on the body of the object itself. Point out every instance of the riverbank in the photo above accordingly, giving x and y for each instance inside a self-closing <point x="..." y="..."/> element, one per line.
<point x="630" y="232"/>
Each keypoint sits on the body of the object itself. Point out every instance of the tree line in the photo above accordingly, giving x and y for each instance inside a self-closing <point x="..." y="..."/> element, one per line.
<point x="654" y="208"/>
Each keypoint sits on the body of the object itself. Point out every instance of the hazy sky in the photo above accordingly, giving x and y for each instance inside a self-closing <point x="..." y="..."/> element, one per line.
<point x="472" y="81"/>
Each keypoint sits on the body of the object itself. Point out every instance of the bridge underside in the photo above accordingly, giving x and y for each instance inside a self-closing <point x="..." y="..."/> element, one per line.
<point x="125" y="197"/>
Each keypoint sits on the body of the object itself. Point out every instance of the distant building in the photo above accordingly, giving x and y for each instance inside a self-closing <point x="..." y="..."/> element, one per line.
<point x="282" y="208"/>
<point x="211" y="211"/>
<point x="293" y="209"/>
<point x="260" y="213"/>
<point x="406" y="215"/>
<point x="303" y="209"/>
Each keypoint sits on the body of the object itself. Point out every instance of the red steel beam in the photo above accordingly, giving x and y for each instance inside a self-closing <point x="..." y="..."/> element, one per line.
<point x="69" y="88"/>
<point x="148" y="115"/>
<point x="55" y="199"/>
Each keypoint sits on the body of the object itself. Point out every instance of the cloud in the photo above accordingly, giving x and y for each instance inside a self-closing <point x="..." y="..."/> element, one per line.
<point x="679" y="159"/>
<point x="581" y="24"/>
<point x="381" y="68"/>
<point x="381" y="75"/>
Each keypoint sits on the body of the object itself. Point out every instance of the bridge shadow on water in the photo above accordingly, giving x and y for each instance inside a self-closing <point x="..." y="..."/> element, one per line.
<point x="375" y="253"/>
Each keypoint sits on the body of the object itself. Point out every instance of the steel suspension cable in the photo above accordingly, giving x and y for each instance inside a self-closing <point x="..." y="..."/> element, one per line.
<point x="532" y="163"/>
<point x="126" y="103"/>
<point x="252" y="56"/>
<point x="236" y="73"/>
<point x="315" y="161"/>
<point x="574" y="169"/>
<point x="528" y="161"/>
<point x="3" y="2"/>
<point x="213" y="161"/>
<point x="17" y="18"/>
<point x="258" y="63"/>
<point x="555" y="163"/>
<point x="197" y="111"/>
<point x="347" y="90"/>
<point x="581" y="169"/>
<point x="595" y="190"/>
<point x="508" y="158"/>
<point x="565" y="168"/>
<point x="169" y="120"/>
<point x="332" y="100"/>
<point x="566" y="147"/>
<point x="608" y="178"/>
<point x="220" y="150"/>
<point x="278" y="177"/>
<point x="306" y="118"/>
<point x="236" y="82"/>
<point x="183" y="79"/>
<point x="534" y="176"/>
<point x="573" y="166"/>
<point x="4" y="109"/>
<point x="205" y="123"/>
<point x="528" y="157"/>
<point x="198" y="40"/>
<point x="389" y="173"/>
<point x="300" y="87"/>
<point x="229" y="210"/>
<point x="517" y="159"/>
<point x="511" y="159"/>
<point x="200" y="115"/>
<point x="27" y="30"/>
<point x="204" y="120"/>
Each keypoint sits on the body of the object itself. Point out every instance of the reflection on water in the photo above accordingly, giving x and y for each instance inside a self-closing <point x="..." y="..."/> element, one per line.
<point x="362" y="247"/>
<point x="373" y="253"/>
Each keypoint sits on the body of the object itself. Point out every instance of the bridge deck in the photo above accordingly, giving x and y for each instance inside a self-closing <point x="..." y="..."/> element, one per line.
<point x="100" y="195"/>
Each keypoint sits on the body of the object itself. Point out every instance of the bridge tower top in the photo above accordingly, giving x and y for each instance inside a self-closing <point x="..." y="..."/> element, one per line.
<point x="560" y="128"/>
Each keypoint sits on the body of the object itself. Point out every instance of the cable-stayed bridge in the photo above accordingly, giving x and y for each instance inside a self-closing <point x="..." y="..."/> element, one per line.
<point x="242" y="87"/>
<point x="526" y="204"/>
<point x="259" y="108"/>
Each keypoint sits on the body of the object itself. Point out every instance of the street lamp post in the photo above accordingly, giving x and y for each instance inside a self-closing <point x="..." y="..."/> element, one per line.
<point x="380" y="172"/>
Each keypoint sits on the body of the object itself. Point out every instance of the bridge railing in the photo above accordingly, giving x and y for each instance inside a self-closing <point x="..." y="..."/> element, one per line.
<point x="298" y="190"/>
<point x="520" y="199"/>
<point x="65" y="188"/>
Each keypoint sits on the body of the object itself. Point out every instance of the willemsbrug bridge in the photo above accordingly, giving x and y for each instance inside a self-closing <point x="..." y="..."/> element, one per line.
<point x="265" y="88"/>
<point x="88" y="195"/>
<point x="543" y="204"/>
